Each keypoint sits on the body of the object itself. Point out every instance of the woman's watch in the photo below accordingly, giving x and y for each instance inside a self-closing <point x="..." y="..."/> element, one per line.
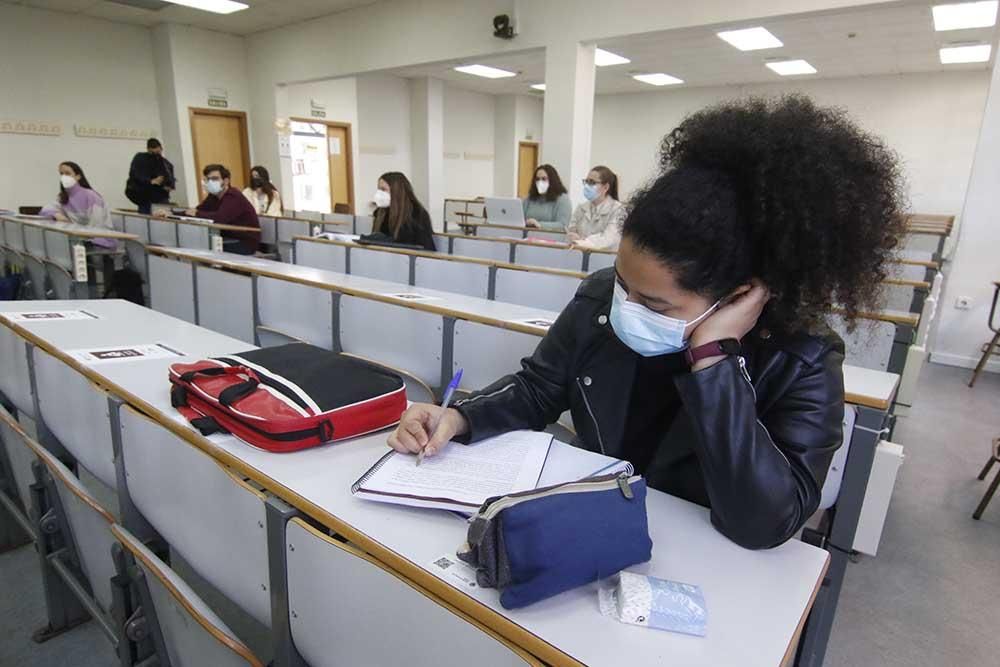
<point x="715" y="348"/>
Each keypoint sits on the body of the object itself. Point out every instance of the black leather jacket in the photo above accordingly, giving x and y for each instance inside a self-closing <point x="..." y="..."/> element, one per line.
<point x="752" y="441"/>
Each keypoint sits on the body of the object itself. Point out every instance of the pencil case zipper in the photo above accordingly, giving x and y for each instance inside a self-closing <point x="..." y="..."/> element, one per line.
<point x="621" y="481"/>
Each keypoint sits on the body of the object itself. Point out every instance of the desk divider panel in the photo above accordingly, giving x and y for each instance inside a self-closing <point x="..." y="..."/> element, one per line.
<point x="198" y="237"/>
<point x="559" y="237"/>
<point x="548" y="291"/>
<point x="171" y="287"/>
<point x="138" y="226"/>
<point x="76" y="412"/>
<point x="600" y="260"/>
<point x="449" y="276"/>
<point x="391" y="266"/>
<point x="394" y="335"/>
<point x="921" y="243"/>
<point x="15" y="380"/>
<point x="288" y="229"/>
<point x="14" y="235"/>
<point x="34" y="241"/>
<point x="472" y="247"/>
<point x="58" y="248"/>
<point x="321" y="256"/>
<point x="297" y="310"/>
<point x="216" y="523"/>
<point x="225" y="303"/>
<point x="553" y="258"/>
<point x="164" y="233"/>
<point x="340" y="219"/>
<point x="906" y="271"/>
<point x="898" y="297"/>
<point x="268" y="229"/>
<point x="118" y="221"/>
<point x="336" y="618"/>
<point x="314" y="216"/>
<point x="487" y="353"/>
<point x="489" y="232"/>
<point x="20" y="457"/>
<point x="870" y="345"/>
<point x="363" y="224"/>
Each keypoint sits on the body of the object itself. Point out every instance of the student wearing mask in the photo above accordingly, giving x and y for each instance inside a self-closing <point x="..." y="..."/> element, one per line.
<point x="225" y="205"/>
<point x="399" y="214"/>
<point x="547" y="205"/>
<point x="262" y="194"/>
<point x="596" y="224"/>
<point x="79" y="203"/>
<point x="150" y="177"/>
<point x="703" y="356"/>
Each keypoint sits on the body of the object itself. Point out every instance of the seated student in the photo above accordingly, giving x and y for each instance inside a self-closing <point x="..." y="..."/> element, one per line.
<point x="262" y="194"/>
<point x="547" y="205"/>
<point x="225" y="205"/>
<point x="79" y="203"/>
<point x="703" y="356"/>
<point x="596" y="224"/>
<point x="399" y="214"/>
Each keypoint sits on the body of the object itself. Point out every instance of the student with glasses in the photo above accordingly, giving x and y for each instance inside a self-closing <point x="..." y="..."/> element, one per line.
<point x="597" y="224"/>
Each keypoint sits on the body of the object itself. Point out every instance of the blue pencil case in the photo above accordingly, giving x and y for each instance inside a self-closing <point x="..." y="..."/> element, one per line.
<point x="536" y="544"/>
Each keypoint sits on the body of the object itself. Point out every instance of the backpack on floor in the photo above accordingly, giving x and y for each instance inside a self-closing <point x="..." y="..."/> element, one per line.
<point x="287" y="398"/>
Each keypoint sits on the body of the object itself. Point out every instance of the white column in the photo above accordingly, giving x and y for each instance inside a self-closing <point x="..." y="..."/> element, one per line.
<point x="569" y="112"/>
<point x="960" y="333"/>
<point x="505" y="146"/>
<point x="427" y="132"/>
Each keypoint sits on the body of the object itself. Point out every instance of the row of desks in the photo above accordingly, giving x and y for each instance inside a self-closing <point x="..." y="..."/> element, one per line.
<point x="758" y="601"/>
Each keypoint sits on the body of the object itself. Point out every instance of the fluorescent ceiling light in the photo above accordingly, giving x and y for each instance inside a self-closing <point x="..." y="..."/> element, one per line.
<point x="791" y="67"/>
<point x="975" y="53"/>
<point x="538" y="86"/>
<point x="658" y="79"/>
<point x="483" y="70"/>
<point x="215" y="6"/>
<point x="604" y="58"/>
<point x="965" y="15"/>
<point x="750" y="39"/>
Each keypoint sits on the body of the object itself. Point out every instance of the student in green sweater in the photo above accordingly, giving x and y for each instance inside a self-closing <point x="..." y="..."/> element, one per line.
<point x="547" y="205"/>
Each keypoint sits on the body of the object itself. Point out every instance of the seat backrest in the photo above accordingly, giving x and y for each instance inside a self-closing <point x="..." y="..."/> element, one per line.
<point x="60" y="280"/>
<point x="372" y="329"/>
<point x="302" y="312"/>
<point x="171" y="287"/>
<point x="363" y="224"/>
<point x="380" y="264"/>
<point x="192" y="633"/>
<point x="34" y="241"/>
<point x="869" y="345"/>
<point x="452" y="276"/>
<point x="198" y="237"/>
<point x="552" y="257"/>
<point x="89" y="524"/>
<point x="547" y="235"/>
<point x="225" y="302"/>
<point x="58" y="248"/>
<point x="19" y="456"/>
<point x="326" y="256"/>
<point x="898" y="297"/>
<point x="118" y="221"/>
<point x="835" y="475"/>
<point x="15" y="381"/>
<point x="600" y="260"/>
<point x="310" y="215"/>
<point x="342" y="216"/>
<point x="550" y="291"/>
<point x="164" y="232"/>
<point x="138" y="226"/>
<point x="213" y="519"/>
<point x="136" y="253"/>
<point x="483" y="249"/>
<point x="492" y="231"/>
<point x="324" y="573"/>
<point x="268" y="229"/>
<point x="36" y="276"/>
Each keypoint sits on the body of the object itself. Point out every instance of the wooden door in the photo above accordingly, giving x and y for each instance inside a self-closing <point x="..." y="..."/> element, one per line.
<point x="338" y="137"/>
<point x="220" y="137"/>
<point x="527" y="163"/>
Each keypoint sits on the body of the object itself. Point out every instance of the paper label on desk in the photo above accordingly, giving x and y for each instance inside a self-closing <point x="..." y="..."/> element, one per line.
<point x="411" y="296"/>
<point x="216" y="243"/>
<point x="460" y="574"/>
<point x="50" y="316"/>
<point x="80" y="263"/>
<point x="535" y="322"/>
<point x="104" y="355"/>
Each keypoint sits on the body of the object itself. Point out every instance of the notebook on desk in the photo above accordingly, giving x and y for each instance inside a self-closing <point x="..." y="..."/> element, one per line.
<point x="462" y="477"/>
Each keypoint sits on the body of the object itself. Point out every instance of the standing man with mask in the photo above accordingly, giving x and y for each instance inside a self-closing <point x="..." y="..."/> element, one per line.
<point x="225" y="205"/>
<point x="150" y="177"/>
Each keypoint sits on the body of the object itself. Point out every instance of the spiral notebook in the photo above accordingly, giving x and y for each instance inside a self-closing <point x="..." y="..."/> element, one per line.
<point x="462" y="477"/>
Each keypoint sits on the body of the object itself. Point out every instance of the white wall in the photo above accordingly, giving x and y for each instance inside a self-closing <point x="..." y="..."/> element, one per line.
<point x="71" y="70"/>
<point x="199" y="60"/>
<point x="383" y="131"/>
<point x="340" y="97"/>
<point x="517" y="118"/>
<point x="468" y="142"/>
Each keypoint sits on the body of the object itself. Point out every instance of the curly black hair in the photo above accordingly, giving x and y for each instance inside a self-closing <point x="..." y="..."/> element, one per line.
<point x="779" y="189"/>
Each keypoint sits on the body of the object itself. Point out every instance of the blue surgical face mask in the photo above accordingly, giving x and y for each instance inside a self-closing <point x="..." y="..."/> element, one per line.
<point x="213" y="187"/>
<point x="589" y="192"/>
<point x="645" y="332"/>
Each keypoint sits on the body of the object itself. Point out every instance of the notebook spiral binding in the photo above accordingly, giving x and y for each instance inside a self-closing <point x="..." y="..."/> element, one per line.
<point x="371" y="471"/>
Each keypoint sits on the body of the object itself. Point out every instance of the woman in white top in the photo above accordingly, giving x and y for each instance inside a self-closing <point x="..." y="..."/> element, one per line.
<point x="597" y="224"/>
<point x="262" y="193"/>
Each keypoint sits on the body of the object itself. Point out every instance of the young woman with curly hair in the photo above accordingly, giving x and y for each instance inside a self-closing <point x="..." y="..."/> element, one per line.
<point x="703" y="357"/>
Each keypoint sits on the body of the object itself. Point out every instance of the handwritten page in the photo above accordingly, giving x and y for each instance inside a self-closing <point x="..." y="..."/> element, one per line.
<point x="461" y="476"/>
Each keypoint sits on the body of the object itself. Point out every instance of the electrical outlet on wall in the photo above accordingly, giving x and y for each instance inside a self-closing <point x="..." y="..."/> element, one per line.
<point x="963" y="302"/>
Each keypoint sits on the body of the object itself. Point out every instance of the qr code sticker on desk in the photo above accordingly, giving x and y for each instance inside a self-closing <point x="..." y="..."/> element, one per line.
<point x="455" y="571"/>
<point x="444" y="562"/>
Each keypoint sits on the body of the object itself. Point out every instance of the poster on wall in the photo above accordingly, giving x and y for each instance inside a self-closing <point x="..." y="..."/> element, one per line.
<point x="310" y="166"/>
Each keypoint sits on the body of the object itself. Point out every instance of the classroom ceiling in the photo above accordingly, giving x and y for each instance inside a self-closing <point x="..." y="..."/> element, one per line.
<point x="893" y="39"/>
<point x="262" y="14"/>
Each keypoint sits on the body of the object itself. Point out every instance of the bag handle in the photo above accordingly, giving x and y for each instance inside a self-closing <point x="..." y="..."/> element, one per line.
<point x="230" y="395"/>
<point x="219" y="370"/>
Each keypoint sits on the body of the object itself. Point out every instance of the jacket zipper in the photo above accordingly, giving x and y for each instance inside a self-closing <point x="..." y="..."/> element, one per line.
<point x="600" y="440"/>
<point x="621" y="481"/>
<point x="746" y="376"/>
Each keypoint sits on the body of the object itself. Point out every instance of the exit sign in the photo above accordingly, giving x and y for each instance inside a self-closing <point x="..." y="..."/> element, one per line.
<point x="218" y="102"/>
<point x="318" y="113"/>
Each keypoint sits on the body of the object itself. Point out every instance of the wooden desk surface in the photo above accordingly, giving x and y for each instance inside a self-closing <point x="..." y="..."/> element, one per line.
<point x="81" y="231"/>
<point x="893" y="316"/>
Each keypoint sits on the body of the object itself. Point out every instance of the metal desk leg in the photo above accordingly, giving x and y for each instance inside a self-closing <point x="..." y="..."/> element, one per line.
<point x="278" y="515"/>
<point x="900" y="346"/>
<point x="868" y="431"/>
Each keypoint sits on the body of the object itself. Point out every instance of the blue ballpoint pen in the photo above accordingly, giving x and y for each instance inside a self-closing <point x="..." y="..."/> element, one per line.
<point x="452" y="386"/>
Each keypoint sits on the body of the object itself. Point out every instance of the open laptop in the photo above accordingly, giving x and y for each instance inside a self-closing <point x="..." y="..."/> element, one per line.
<point x="504" y="211"/>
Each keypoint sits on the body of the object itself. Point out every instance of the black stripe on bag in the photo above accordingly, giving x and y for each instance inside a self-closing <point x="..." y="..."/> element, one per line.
<point x="269" y="381"/>
<point x="207" y="426"/>
<point x="231" y="394"/>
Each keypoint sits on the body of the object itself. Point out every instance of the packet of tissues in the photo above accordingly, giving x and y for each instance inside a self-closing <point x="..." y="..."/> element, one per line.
<point x="655" y="603"/>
